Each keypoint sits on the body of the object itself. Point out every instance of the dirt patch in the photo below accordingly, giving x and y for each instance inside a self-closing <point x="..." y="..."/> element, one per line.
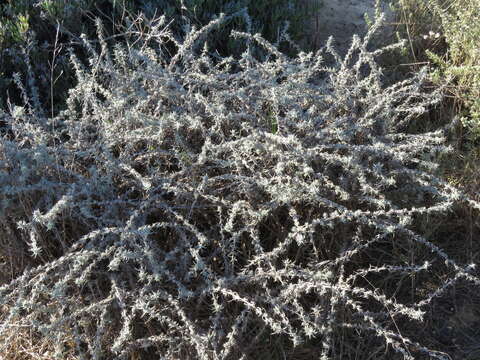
<point x="343" y="18"/>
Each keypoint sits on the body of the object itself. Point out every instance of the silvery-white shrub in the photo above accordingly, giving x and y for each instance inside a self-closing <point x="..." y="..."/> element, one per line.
<point x="191" y="206"/>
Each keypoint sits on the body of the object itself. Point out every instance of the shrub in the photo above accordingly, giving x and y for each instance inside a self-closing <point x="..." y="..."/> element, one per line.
<point x="446" y="33"/>
<point x="268" y="18"/>
<point x="198" y="208"/>
<point x="34" y="36"/>
<point x="461" y="28"/>
<point x="46" y="28"/>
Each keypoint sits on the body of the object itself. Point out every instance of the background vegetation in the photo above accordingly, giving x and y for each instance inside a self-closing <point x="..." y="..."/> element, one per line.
<point x="445" y="34"/>
<point x="35" y="35"/>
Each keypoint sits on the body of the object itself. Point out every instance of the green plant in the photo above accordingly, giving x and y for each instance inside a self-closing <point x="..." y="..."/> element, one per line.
<point x="43" y="30"/>
<point x="14" y="29"/>
<point x="461" y="29"/>
<point x="446" y="33"/>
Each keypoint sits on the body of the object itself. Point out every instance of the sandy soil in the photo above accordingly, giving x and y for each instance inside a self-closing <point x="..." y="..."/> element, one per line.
<point x="342" y="19"/>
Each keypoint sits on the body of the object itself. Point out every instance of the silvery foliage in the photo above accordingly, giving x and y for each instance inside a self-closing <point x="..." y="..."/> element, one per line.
<point x="203" y="203"/>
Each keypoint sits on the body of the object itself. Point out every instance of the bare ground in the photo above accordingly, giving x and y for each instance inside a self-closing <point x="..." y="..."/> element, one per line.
<point x="341" y="19"/>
